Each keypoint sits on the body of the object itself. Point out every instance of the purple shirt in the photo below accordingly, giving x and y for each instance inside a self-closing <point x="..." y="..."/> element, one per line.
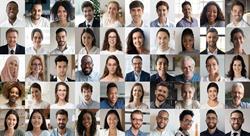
<point x="185" y="23"/>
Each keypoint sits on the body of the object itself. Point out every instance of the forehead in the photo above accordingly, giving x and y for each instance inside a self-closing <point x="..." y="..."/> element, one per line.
<point x="62" y="33"/>
<point x="137" y="115"/>
<point x="162" y="88"/>
<point x="61" y="116"/>
<point x="37" y="6"/>
<point x="236" y="114"/>
<point x="12" y="5"/>
<point x="112" y="90"/>
<point x="211" y="115"/>
<point x="163" y="114"/>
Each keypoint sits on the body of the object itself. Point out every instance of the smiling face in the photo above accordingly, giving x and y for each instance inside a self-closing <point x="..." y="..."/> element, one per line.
<point x="188" y="42"/>
<point x="161" y="66"/>
<point x="237" y="94"/>
<point x="12" y="10"/>
<point x="212" y="93"/>
<point x="212" y="13"/>
<point x="161" y="93"/>
<point x="211" y="39"/>
<point x="61" y="38"/>
<point x="136" y="14"/>
<point x="236" y="121"/>
<point x="187" y="10"/>
<point x="187" y="92"/>
<point x="88" y="13"/>
<point x="136" y="121"/>
<point x="162" y="120"/>
<point x="211" y="120"/>
<point x="87" y="94"/>
<point x="138" y="39"/>
<point x="14" y="95"/>
<point x="162" y="39"/>
<point x="162" y="11"/>
<point x="11" y="39"/>
<point x="62" y="13"/>
<point x="87" y="40"/>
<point x="36" y="93"/>
<point x="36" y="12"/>
<point x="186" y="122"/>
<point x="137" y="92"/>
<point x="237" y="67"/>
<point x="37" y="38"/>
<point x="112" y="95"/>
<point x="112" y="9"/>
<point x="237" y="13"/>
<point x="112" y="121"/>
<point x="87" y="65"/>
<point x="87" y="120"/>
<point x="112" y="66"/>
<point x="61" y="121"/>
<point x="212" y="66"/>
<point x="61" y="92"/>
<point x="36" y="120"/>
<point x="36" y="66"/>
<point x="137" y="65"/>
<point x="11" y="121"/>
<point x="188" y="69"/>
<point x="13" y="67"/>
<point x="238" y="40"/>
<point x="112" y="40"/>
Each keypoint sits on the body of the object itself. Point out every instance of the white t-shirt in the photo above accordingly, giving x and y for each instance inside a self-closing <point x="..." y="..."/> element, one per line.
<point x="43" y="22"/>
<point x="66" y="106"/>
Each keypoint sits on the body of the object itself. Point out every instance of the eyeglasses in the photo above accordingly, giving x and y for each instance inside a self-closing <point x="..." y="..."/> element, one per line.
<point x="234" y="119"/>
<point x="188" y="122"/>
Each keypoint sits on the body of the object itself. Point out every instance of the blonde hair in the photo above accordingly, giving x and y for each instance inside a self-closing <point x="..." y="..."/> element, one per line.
<point x="29" y="68"/>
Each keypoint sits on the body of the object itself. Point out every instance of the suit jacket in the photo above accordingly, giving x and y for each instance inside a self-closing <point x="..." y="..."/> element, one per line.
<point x="131" y="76"/>
<point x="54" y="78"/>
<point x="243" y="133"/>
<point x="218" y="51"/>
<point x="96" y="23"/>
<point x="19" y="49"/>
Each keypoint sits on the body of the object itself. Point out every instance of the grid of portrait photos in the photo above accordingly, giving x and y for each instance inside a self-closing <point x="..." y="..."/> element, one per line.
<point x="125" y="67"/>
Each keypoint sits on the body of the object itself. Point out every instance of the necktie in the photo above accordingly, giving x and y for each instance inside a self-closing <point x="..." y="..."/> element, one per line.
<point x="235" y="134"/>
<point x="12" y="52"/>
<point x="88" y="25"/>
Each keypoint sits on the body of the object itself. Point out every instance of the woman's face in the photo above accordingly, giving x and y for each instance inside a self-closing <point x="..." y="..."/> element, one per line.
<point x="36" y="93"/>
<point x="112" y="66"/>
<point x="112" y="120"/>
<point x="212" y="93"/>
<point x="36" y="66"/>
<point x="137" y="92"/>
<point x="87" y="120"/>
<point x="162" y="11"/>
<point x="161" y="66"/>
<point x="61" y="92"/>
<point x="14" y="94"/>
<point x="238" y="40"/>
<point x="112" y="9"/>
<point x="36" y="120"/>
<point x="13" y="67"/>
<point x="212" y="66"/>
<point x="138" y="39"/>
<point x="87" y="39"/>
<point x="237" y="67"/>
<point x="62" y="13"/>
<point x="11" y="121"/>
<point x="212" y="13"/>
<point x="187" y="93"/>
<point x="188" y="42"/>
<point x="37" y="38"/>
<point x="112" y="39"/>
<point x="162" y="39"/>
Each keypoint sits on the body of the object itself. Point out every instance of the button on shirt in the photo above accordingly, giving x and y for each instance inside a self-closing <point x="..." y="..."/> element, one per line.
<point x="129" y="133"/>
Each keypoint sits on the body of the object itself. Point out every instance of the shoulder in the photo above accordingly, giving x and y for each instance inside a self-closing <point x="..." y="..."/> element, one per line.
<point x="204" y="51"/>
<point x="154" y="23"/>
<point x="45" y="133"/>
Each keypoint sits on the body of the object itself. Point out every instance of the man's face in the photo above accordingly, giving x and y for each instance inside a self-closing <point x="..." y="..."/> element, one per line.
<point x="112" y="95"/>
<point x="162" y="120"/>
<point x="212" y="38"/>
<point x="136" y="14"/>
<point x="61" y="38"/>
<point x="237" y="13"/>
<point x="88" y="13"/>
<point x="161" y="93"/>
<point x="87" y="94"/>
<point x="187" y="10"/>
<point x="236" y="121"/>
<point x="61" y="121"/>
<point x="11" y="38"/>
<point x="12" y="10"/>
<point x="87" y="65"/>
<point x="237" y="94"/>
<point x="211" y="120"/>
<point x="36" y="11"/>
<point x="61" y="68"/>
<point x="161" y="66"/>
<point x="137" y="121"/>
<point x="137" y="64"/>
<point x="188" y="68"/>
<point x="186" y="122"/>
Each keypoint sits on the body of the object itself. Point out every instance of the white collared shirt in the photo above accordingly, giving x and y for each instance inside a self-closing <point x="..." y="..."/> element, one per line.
<point x="67" y="50"/>
<point x="212" y="53"/>
<point x="59" y="80"/>
<point x="232" y="132"/>
<point x="242" y="23"/>
<point x="9" y="49"/>
<point x="17" y="23"/>
<point x="90" y="23"/>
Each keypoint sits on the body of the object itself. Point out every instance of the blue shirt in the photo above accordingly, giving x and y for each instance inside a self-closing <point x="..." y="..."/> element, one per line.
<point x="156" y="23"/>
<point x="118" y="105"/>
<point x="129" y="133"/>
<point x="181" y="78"/>
<point x="185" y="23"/>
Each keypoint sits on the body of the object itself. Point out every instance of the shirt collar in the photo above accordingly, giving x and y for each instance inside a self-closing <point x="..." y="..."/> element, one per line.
<point x="215" y="52"/>
<point x="166" y="24"/>
<point x="9" y="49"/>
<point x="90" y="23"/>
<point x="66" y="47"/>
<point x="59" y="80"/>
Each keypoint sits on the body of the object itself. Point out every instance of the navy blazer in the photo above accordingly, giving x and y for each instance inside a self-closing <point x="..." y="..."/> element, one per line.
<point x="242" y="133"/>
<point x="218" y="51"/>
<point x="131" y="76"/>
<point x="96" y="23"/>
<point x="19" y="49"/>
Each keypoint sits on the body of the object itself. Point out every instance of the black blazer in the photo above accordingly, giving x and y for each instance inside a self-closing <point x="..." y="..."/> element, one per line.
<point x="19" y="49"/>
<point x="218" y="51"/>
<point x="243" y="133"/>
<point x="54" y="78"/>
<point x="96" y="23"/>
<point x="131" y="76"/>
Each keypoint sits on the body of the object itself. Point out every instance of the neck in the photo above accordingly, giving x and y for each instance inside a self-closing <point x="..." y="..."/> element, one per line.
<point x="12" y="21"/>
<point x="188" y="18"/>
<point x="161" y="130"/>
<point x="164" y="48"/>
<point x="236" y="103"/>
<point x="38" y="100"/>
<point x="111" y="103"/>
<point x="61" y="102"/>
<point x="188" y="77"/>
<point x="211" y="23"/>
<point x="235" y="22"/>
<point x="237" y="75"/>
<point x="137" y="23"/>
<point x="162" y="75"/>
<point x="87" y="101"/>
<point x="111" y="49"/>
<point x="37" y="46"/>
<point x="62" y="48"/>
<point x="62" y="78"/>
<point x="188" y="101"/>
<point x="135" y="131"/>
<point x="63" y="23"/>
<point x="36" y="130"/>
<point x="238" y="50"/>
<point x="87" y="48"/>
<point x="62" y="131"/>
<point x="212" y="103"/>
<point x="10" y="131"/>
<point x="212" y="49"/>
<point x="35" y="21"/>
<point x="157" y="103"/>
<point x="162" y="20"/>
<point x="211" y="130"/>
<point x="137" y="102"/>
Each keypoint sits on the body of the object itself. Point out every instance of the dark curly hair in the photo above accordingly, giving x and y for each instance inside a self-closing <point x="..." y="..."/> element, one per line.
<point x="118" y="71"/>
<point x="131" y="49"/>
<point x="7" y="86"/>
<point x="243" y="71"/>
<point x="118" y="126"/>
<point x="43" y="126"/>
<point x="68" y="7"/>
<point x="118" y="40"/>
<point x="203" y="17"/>
<point x="79" y="126"/>
<point x="89" y="31"/>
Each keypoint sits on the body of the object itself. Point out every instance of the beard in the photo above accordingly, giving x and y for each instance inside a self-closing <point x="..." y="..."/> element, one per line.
<point x="160" y="126"/>
<point x="61" y="125"/>
<point x="211" y="125"/>
<point x="136" y="126"/>
<point x="87" y="72"/>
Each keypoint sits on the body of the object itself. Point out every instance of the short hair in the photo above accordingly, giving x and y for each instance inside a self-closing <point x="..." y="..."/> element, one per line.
<point x="212" y="57"/>
<point x="161" y="57"/>
<point x="212" y="30"/>
<point x="184" y="113"/>
<point x="237" y="84"/>
<point x="86" y="86"/>
<point x="136" y="57"/>
<point x="87" y="4"/>
<point x="163" y="83"/>
<point x="38" y="31"/>
<point x="185" y="3"/>
<point x="162" y="3"/>
<point x="211" y="112"/>
<point x="213" y="84"/>
<point x="11" y="30"/>
<point x="62" y="112"/>
<point x="162" y="111"/>
<point x="36" y="85"/>
<point x="234" y="31"/>
<point x="238" y="3"/>
<point x="135" y="4"/>
<point x="61" y="58"/>
<point x="43" y="126"/>
<point x="188" y="58"/>
<point x="89" y="31"/>
<point x="111" y="85"/>
<point x="59" y="30"/>
<point x="12" y="2"/>
<point x="7" y="86"/>
<point x="37" y="2"/>
<point x="135" y="112"/>
<point x="11" y="111"/>
<point x="237" y="111"/>
<point x="67" y="91"/>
